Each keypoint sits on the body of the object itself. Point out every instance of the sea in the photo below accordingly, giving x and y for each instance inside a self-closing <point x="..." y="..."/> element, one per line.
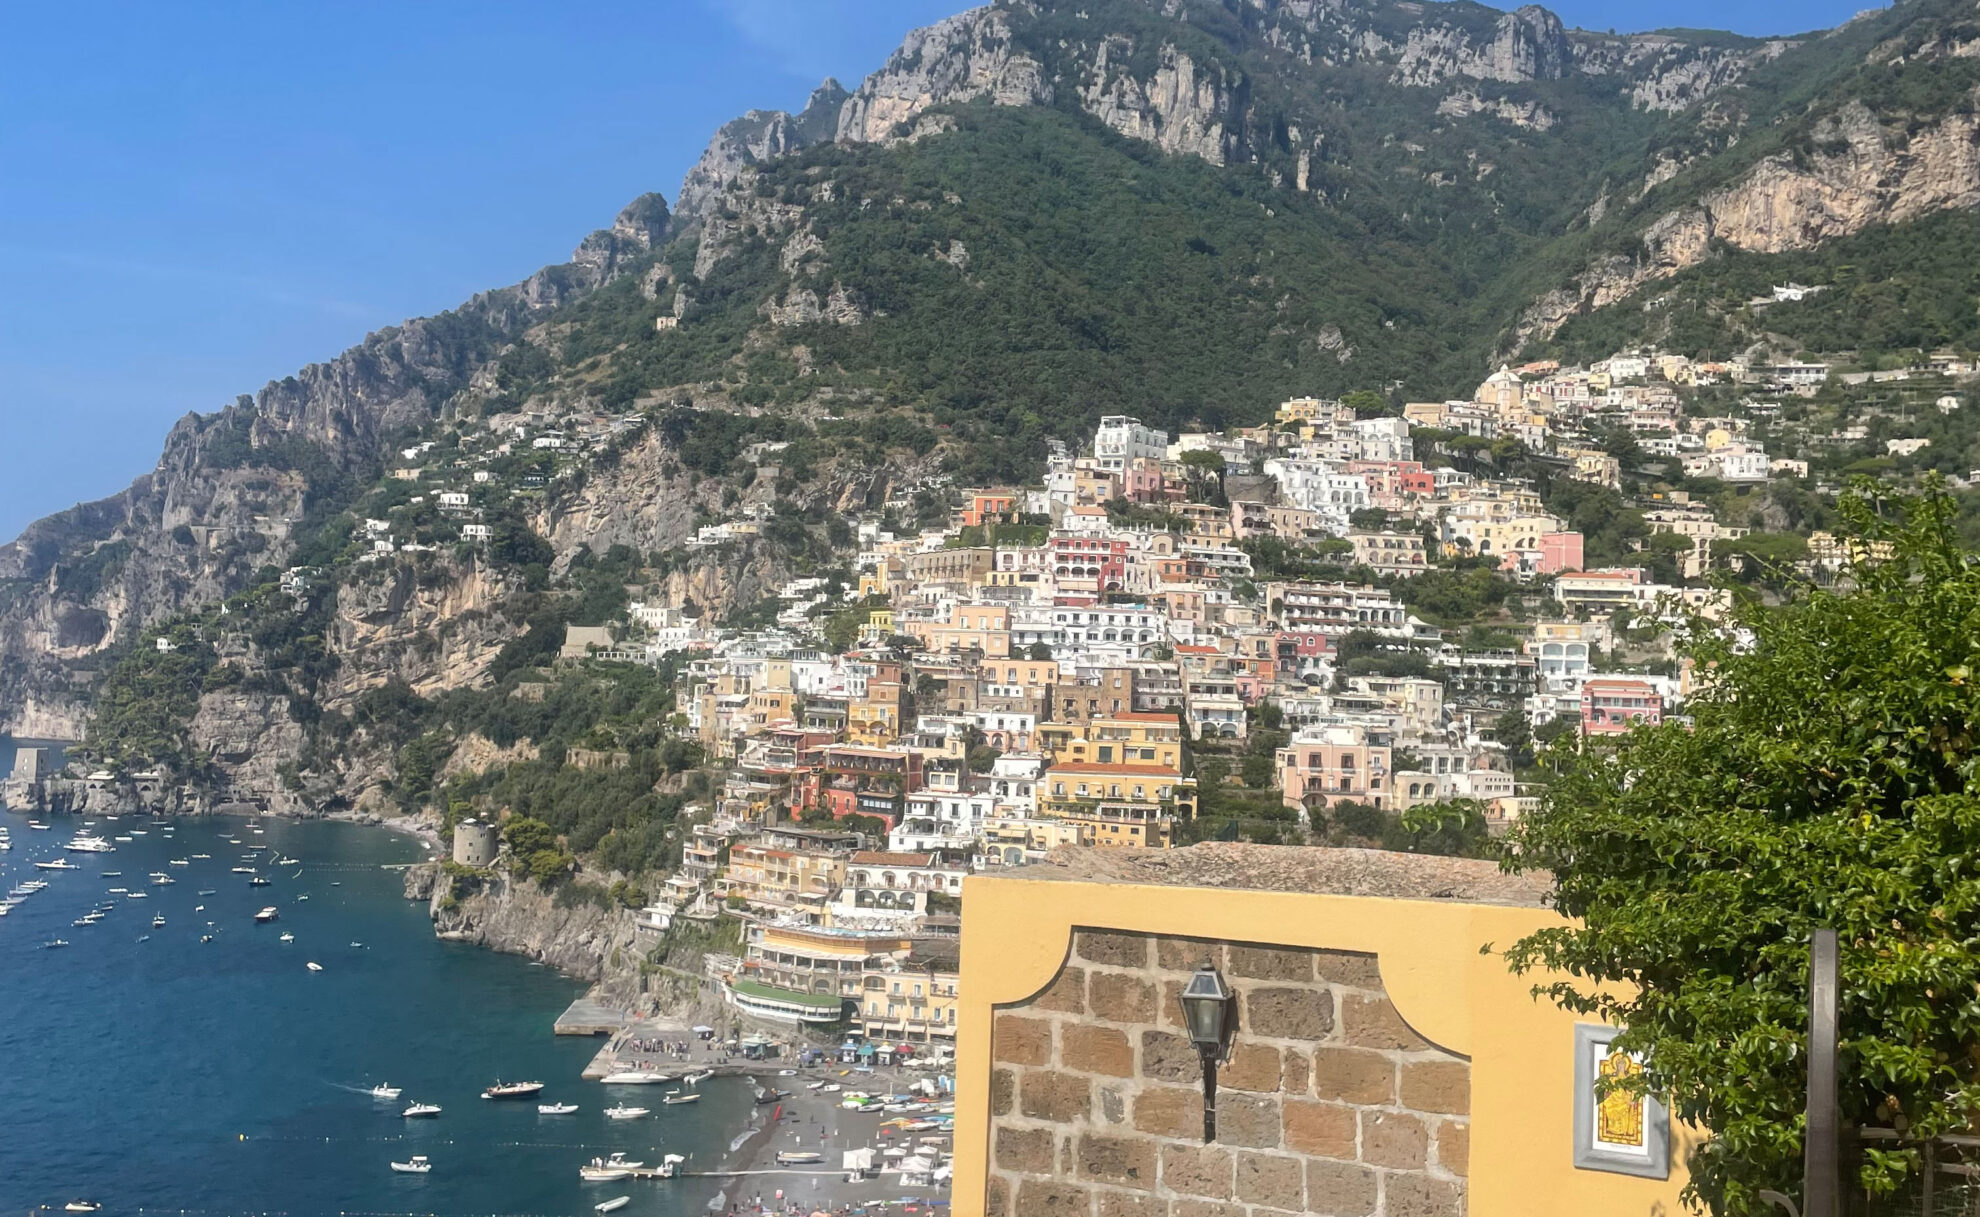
<point x="152" y="1072"/>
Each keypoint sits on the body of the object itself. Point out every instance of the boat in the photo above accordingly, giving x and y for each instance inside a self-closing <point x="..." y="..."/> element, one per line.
<point x="53" y="943"/>
<point x="513" y="1090"/>
<point x="158" y="922"/>
<point x="162" y="880"/>
<point x="385" y="1090"/>
<point x="635" y="1077"/>
<point x="125" y="839"/>
<point x="285" y="862"/>
<point x="799" y="1158"/>
<point x="421" y="1109"/>
<point x="206" y="938"/>
<point x="81" y="1206"/>
<point x="267" y="915"/>
<point x="119" y="891"/>
<point x="258" y="881"/>
<point x="356" y="946"/>
<point x="304" y="896"/>
<point x="38" y="824"/>
<point x="207" y="891"/>
<point x="314" y="966"/>
<point x="696" y="1079"/>
<point x="137" y="895"/>
<point x="288" y="938"/>
<point x="613" y="1205"/>
<point x="418" y="1166"/>
<point x="243" y="870"/>
<point x="89" y="843"/>
<point x="180" y="862"/>
<point x="555" y="1109"/>
<point x="623" y="1112"/>
<point x="676" y="1100"/>
<point x="202" y="857"/>
<point x="57" y="864"/>
<point x="603" y="1174"/>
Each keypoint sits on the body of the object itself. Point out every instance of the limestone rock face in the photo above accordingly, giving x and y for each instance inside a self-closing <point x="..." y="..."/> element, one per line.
<point x="757" y="136"/>
<point x="1528" y="44"/>
<point x="967" y="57"/>
<point x="1182" y="108"/>
<point x="520" y="918"/>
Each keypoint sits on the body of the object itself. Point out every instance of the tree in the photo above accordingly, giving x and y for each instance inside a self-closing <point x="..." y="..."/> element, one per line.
<point x="1515" y="731"/>
<point x="1039" y="651"/>
<point x="1825" y="779"/>
<point x="1454" y="828"/>
<point x="527" y="836"/>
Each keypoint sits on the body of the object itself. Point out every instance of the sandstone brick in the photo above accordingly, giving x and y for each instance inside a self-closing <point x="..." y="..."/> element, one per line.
<point x="1058" y="1097"/>
<point x="1410" y="1195"/>
<point x="1032" y="1151"/>
<point x="1021" y="1041"/>
<point x="1197" y="1170"/>
<point x="1352" y="1075"/>
<point x="1248" y="1120"/>
<point x="1050" y="1198"/>
<point x="1374" y="1022"/>
<point x="1131" y="1204"/>
<point x="1093" y="1049"/>
<point x="1113" y="1105"/>
<point x="1271" y="1180"/>
<point x="1289" y="1013"/>
<point x="1187" y="954"/>
<point x="1120" y="997"/>
<point x="1340" y="1189"/>
<point x="1394" y="1139"/>
<point x="1003" y="1091"/>
<point x="1169" y="1111"/>
<point x="1168" y="1057"/>
<point x="1251" y="1067"/>
<point x="1297" y="1072"/>
<point x="1117" y="950"/>
<point x="996" y="1197"/>
<point x="1326" y="1129"/>
<point x="1066" y="994"/>
<point x="1440" y="1086"/>
<point x="1204" y="1208"/>
<point x="1347" y="968"/>
<point x="1271" y="963"/>
<point x="1169" y="1007"/>
<point x="1453" y="1140"/>
<point x="1128" y="1161"/>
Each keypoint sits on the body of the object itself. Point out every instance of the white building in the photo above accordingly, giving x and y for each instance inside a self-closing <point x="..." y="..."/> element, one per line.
<point x="1122" y="440"/>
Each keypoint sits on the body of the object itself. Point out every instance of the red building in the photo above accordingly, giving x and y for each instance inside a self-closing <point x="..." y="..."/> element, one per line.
<point x="1101" y="560"/>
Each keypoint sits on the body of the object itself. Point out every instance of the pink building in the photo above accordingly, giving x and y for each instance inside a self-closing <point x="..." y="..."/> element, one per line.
<point x="1142" y="481"/>
<point x="1612" y="705"/>
<point x="1333" y="764"/>
<point x="1559" y="551"/>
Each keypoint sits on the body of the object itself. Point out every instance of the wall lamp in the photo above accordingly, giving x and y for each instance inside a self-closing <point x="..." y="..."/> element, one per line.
<point x="1210" y="1013"/>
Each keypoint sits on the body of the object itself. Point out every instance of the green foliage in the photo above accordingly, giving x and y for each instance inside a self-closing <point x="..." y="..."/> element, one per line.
<point x="1826" y="779"/>
<point x="1454" y="828"/>
<point x="145" y="702"/>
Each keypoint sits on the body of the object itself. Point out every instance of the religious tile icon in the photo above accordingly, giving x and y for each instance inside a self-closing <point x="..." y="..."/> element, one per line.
<point x="1615" y="1129"/>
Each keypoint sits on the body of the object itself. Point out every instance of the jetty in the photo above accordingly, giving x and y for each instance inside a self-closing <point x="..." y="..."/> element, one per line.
<point x="587" y="1017"/>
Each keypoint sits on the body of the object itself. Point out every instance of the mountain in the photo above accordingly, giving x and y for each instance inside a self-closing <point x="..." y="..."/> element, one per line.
<point x="1033" y="213"/>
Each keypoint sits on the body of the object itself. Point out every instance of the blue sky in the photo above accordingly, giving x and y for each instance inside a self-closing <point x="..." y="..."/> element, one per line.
<point x="201" y="197"/>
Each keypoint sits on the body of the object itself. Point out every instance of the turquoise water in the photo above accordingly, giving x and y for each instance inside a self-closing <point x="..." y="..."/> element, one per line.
<point x="225" y="1078"/>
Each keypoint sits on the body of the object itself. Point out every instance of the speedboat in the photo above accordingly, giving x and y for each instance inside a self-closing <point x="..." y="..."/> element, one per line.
<point x="57" y="864"/>
<point x="314" y="966"/>
<point x="385" y="1090"/>
<point x="206" y="938"/>
<point x="603" y="1174"/>
<point x="89" y="843"/>
<point x="258" y="881"/>
<point x="137" y="895"/>
<point x="555" y="1109"/>
<point x="623" y="1112"/>
<point x="418" y="1166"/>
<point x="613" y="1205"/>
<point x="162" y="880"/>
<point x="158" y="922"/>
<point x="243" y="870"/>
<point x="676" y="1100"/>
<point x="38" y="824"/>
<point x="513" y="1090"/>
<point x="696" y="1079"/>
<point x="180" y="862"/>
<point x="202" y="857"/>
<point x="81" y="1206"/>
<point x="53" y="943"/>
<point x="635" y="1077"/>
<point x="288" y="938"/>
<point x="285" y="862"/>
<point x="304" y="896"/>
<point x="421" y="1109"/>
<point x="267" y="915"/>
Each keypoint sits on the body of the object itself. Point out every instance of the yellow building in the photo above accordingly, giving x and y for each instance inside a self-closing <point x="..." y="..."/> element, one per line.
<point x="1126" y="738"/>
<point x="1117" y="804"/>
<point x="1384" y="1058"/>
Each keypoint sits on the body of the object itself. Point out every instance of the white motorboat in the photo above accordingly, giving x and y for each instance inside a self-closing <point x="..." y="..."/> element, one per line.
<point x="37" y="824"/>
<point x="54" y="943"/>
<point x="57" y="864"/>
<point x="603" y="1174"/>
<point x="555" y="1109"/>
<point x="676" y="1100"/>
<point x="513" y="1090"/>
<point x="267" y="915"/>
<point x="285" y="862"/>
<point x="137" y="895"/>
<point x="635" y="1077"/>
<point x="89" y="843"/>
<point x="180" y="862"/>
<point x="613" y="1205"/>
<point x="385" y="1090"/>
<point x="314" y="966"/>
<point x="243" y="870"/>
<point x="158" y="922"/>
<point x="696" y="1079"/>
<point x="623" y="1112"/>
<point x="81" y="1206"/>
<point x="162" y="880"/>
<point x="257" y="881"/>
<point x="288" y="938"/>
<point x="421" y="1109"/>
<point x="418" y="1166"/>
<point x="202" y="857"/>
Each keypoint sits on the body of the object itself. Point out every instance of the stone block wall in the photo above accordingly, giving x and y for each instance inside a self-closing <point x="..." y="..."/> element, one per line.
<point x="1328" y="1104"/>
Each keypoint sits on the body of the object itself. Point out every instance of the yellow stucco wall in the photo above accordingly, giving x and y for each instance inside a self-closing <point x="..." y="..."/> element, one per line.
<point x="1522" y="1049"/>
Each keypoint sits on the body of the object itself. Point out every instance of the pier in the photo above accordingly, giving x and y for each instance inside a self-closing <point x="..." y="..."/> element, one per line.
<point x="586" y="1017"/>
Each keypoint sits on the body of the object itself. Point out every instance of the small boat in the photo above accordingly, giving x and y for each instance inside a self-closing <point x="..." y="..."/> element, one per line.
<point x="304" y="896"/>
<point x="635" y="1077"/>
<point x="288" y="938"/>
<point x="206" y="938"/>
<point x="285" y="862"/>
<point x="613" y="1205"/>
<point x="314" y="966"/>
<point x="676" y="1100"/>
<point x="796" y="1158"/>
<point x="88" y="843"/>
<point x="418" y="1166"/>
<point x="357" y="946"/>
<point x="258" y="881"/>
<point x="199" y="908"/>
<point x="243" y="870"/>
<point x="513" y="1090"/>
<point x="119" y="891"/>
<point x="603" y="1174"/>
<point x="110" y="874"/>
<point x="267" y="915"/>
<point x="696" y="1079"/>
<point x="57" y="864"/>
<point x="421" y="1109"/>
<point x="38" y="824"/>
<point x="207" y="891"/>
<point x="179" y="862"/>
<point x="137" y="895"/>
<point x="555" y="1109"/>
<point x="384" y="1091"/>
<point x="144" y="938"/>
<point x="163" y="880"/>
<point x="81" y="1206"/>
<point x="158" y="922"/>
<point x="623" y="1112"/>
<point x="53" y="943"/>
<point x="202" y="857"/>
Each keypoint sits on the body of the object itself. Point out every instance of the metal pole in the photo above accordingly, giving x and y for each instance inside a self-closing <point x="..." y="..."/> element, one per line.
<point x="1209" y="1094"/>
<point x="1820" y="1178"/>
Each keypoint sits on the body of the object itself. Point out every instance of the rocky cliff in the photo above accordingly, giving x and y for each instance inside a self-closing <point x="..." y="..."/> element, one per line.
<point x="518" y="917"/>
